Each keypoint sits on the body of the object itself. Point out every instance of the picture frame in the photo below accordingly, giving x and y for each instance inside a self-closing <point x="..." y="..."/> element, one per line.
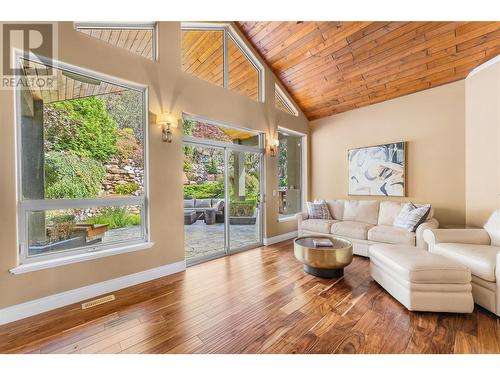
<point x="378" y="170"/>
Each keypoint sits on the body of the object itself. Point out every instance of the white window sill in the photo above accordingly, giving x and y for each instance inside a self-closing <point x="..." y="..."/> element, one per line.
<point x="51" y="263"/>
<point x="284" y="219"/>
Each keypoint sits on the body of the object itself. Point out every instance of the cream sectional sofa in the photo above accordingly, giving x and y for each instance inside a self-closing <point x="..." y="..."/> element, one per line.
<point x="364" y="223"/>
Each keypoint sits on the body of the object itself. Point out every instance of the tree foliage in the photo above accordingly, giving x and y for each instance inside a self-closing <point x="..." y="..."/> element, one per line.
<point x="68" y="175"/>
<point x="127" y="109"/>
<point x="128" y="147"/>
<point x="93" y="132"/>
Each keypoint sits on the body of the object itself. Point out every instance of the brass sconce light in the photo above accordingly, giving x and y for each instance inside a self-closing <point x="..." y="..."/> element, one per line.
<point x="273" y="147"/>
<point x="165" y="120"/>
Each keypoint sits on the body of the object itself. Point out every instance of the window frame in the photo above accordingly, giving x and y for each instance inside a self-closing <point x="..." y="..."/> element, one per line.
<point x="153" y="26"/>
<point x="285" y="100"/>
<point x="303" y="171"/>
<point x="24" y="206"/>
<point x="206" y="141"/>
<point x="229" y="32"/>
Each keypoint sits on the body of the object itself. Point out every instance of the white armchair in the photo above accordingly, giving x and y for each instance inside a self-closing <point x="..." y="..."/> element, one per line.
<point x="474" y="249"/>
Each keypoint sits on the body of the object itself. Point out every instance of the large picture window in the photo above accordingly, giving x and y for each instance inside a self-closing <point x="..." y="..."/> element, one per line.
<point x="290" y="187"/>
<point x="282" y="102"/>
<point x="82" y="173"/>
<point x="216" y="54"/>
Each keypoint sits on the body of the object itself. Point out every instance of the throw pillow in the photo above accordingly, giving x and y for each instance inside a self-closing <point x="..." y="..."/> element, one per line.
<point x="492" y="226"/>
<point x="318" y="210"/>
<point x="412" y="216"/>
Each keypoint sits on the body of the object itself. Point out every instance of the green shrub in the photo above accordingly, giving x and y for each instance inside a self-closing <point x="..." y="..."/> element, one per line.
<point x="135" y="219"/>
<point x="212" y="167"/>
<point x="71" y="176"/>
<point x="115" y="217"/>
<point x="187" y="127"/>
<point x="242" y="208"/>
<point x="127" y="189"/>
<point x="94" y="134"/>
<point x="206" y="190"/>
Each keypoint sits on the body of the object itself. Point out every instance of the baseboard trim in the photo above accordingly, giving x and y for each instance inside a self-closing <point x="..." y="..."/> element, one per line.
<point x="281" y="237"/>
<point x="44" y="304"/>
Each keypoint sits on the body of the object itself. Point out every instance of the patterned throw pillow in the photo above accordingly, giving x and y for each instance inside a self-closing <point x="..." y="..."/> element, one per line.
<point x="318" y="210"/>
<point x="411" y="216"/>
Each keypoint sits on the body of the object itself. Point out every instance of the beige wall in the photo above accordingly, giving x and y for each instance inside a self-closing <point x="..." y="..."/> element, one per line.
<point x="169" y="90"/>
<point x="482" y="146"/>
<point x="431" y="121"/>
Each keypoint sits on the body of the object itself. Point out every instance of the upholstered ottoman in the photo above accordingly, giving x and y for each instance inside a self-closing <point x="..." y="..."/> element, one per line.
<point x="420" y="280"/>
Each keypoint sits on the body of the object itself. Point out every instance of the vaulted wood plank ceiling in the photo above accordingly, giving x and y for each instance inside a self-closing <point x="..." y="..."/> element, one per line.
<point x="333" y="67"/>
<point x="139" y="41"/>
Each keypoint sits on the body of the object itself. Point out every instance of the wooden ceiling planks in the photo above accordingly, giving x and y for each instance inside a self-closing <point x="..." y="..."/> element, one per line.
<point x="138" y="41"/>
<point x="64" y="87"/>
<point x="203" y="56"/>
<point x="333" y="67"/>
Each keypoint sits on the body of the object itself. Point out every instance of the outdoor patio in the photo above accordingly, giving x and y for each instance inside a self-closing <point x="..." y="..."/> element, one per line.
<point x="201" y="239"/>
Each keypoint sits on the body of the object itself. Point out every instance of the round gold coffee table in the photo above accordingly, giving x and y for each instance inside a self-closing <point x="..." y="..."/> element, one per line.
<point x="327" y="262"/>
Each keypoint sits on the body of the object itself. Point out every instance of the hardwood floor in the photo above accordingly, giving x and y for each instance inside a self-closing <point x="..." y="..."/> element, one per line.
<point x="259" y="301"/>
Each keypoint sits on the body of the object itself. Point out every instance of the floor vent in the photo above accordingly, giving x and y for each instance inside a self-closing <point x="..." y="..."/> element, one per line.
<point x="98" y="301"/>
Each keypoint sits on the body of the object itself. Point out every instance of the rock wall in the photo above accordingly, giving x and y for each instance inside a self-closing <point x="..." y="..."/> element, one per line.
<point x="119" y="173"/>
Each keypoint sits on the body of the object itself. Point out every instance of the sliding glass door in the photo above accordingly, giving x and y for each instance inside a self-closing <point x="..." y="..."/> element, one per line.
<point x="222" y="190"/>
<point x="204" y="202"/>
<point x="244" y="171"/>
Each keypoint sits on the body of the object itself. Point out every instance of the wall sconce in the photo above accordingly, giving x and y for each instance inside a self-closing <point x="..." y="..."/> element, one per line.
<point x="166" y="121"/>
<point x="273" y="147"/>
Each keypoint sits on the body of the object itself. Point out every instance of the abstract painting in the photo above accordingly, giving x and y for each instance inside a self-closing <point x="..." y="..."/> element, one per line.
<point x="378" y="170"/>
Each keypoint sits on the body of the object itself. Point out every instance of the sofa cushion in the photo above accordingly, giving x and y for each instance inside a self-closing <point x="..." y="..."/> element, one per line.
<point x="317" y="225"/>
<point x="203" y="203"/>
<point x="418" y="265"/>
<point x="363" y="211"/>
<point x="391" y="234"/>
<point x="480" y="259"/>
<point x="336" y="208"/>
<point x="318" y="210"/>
<point x="412" y="216"/>
<point x="492" y="226"/>
<point x="388" y="212"/>
<point x="351" y="229"/>
<point x="189" y="203"/>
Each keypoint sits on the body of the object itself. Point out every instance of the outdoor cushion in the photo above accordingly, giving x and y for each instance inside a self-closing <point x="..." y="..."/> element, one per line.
<point x="363" y="211"/>
<point x="317" y="225"/>
<point x="351" y="229"/>
<point x="480" y="259"/>
<point x="203" y="203"/>
<point x="388" y="212"/>
<point x="189" y="203"/>
<point x="390" y="234"/>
